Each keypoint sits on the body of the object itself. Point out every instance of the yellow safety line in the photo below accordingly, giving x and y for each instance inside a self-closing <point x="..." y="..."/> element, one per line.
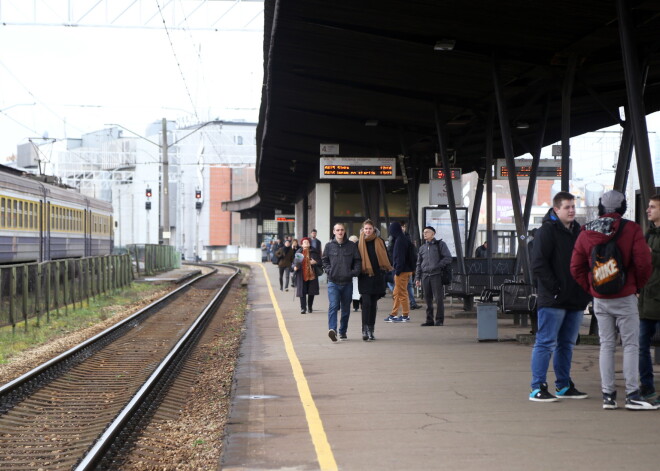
<point x="323" y="451"/>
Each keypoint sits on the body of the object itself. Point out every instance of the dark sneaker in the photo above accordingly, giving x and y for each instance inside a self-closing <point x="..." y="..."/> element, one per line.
<point x="332" y="333"/>
<point x="404" y="318"/>
<point x="569" y="392"/>
<point x="609" y="401"/>
<point x="648" y="394"/>
<point x="541" y="394"/>
<point x="391" y="319"/>
<point x="415" y="306"/>
<point x="427" y="324"/>
<point x="302" y="311"/>
<point x="343" y="337"/>
<point x="309" y="309"/>
<point x="635" y="402"/>
<point x="439" y="323"/>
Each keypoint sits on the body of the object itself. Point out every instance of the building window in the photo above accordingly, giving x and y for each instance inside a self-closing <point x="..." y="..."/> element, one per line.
<point x="239" y="140"/>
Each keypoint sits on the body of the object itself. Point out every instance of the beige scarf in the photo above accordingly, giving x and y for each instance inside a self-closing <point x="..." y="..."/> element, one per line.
<point x="381" y="253"/>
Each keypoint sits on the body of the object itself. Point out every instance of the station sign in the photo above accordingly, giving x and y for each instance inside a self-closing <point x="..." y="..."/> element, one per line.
<point x="549" y="169"/>
<point x="375" y="168"/>
<point x="329" y="149"/>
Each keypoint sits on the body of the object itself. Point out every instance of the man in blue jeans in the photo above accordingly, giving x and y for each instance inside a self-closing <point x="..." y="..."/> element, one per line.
<point x="649" y="305"/>
<point x="341" y="261"/>
<point x="561" y="301"/>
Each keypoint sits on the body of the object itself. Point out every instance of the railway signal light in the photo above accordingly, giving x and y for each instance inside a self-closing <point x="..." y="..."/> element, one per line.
<point x="198" y="194"/>
<point x="148" y="192"/>
<point x="147" y="205"/>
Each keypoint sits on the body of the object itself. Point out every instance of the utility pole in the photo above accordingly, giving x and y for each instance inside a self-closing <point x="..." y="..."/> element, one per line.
<point x="165" y="193"/>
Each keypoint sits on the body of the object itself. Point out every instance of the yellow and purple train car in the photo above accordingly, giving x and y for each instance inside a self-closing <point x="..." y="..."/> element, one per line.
<point x="40" y="221"/>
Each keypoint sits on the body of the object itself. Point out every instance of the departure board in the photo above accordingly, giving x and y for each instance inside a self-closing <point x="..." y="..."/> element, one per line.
<point x="439" y="174"/>
<point x="549" y="169"/>
<point x="358" y="167"/>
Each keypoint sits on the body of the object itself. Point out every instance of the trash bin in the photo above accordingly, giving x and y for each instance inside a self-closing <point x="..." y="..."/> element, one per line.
<point x="486" y="322"/>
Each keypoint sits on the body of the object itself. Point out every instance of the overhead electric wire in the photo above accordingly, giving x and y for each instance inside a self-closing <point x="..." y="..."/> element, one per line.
<point x="176" y="59"/>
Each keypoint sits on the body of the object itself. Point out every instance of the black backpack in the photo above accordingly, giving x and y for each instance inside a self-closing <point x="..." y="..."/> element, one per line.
<point x="608" y="274"/>
<point x="447" y="272"/>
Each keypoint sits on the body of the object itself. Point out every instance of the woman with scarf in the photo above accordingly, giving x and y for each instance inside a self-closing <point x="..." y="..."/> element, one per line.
<point x="371" y="282"/>
<point x="307" y="283"/>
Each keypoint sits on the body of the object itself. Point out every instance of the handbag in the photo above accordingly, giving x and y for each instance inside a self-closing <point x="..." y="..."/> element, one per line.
<point x="318" y="270"/>
<point x="446" y="274"/>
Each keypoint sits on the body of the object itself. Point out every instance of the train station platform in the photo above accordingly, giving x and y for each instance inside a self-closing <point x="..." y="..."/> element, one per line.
<point x="417" y="398"/>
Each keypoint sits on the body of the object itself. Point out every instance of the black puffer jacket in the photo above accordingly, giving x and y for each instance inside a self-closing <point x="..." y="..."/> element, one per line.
<point x="551" y="265"/>
<point x="401" y="256"/>
<point x="341" y="261"/>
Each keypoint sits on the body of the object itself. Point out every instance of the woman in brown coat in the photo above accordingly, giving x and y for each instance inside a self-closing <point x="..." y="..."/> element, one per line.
<point x="307" y="283"/>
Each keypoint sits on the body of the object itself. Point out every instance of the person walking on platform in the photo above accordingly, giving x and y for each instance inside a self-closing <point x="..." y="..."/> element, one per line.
<point x="294" y="248"/>
<point x="315" y="243"/>
<point x="432" y="257"/>
<point x="371" y="281"/>
<point x="615" y="300"/>
<point x="561" y="301"/>
<point x="341" y="262"/>
<point x="285" y="259"/>
<point x="649" y="305"/>
<point x="404" y="267"/>
<point x="307" y="283"/>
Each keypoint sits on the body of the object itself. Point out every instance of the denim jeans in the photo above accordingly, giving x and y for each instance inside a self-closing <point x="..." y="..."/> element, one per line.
<point x="557" y="333"/>
<point x="647" y="329"/>
<point x="339" y="296"/>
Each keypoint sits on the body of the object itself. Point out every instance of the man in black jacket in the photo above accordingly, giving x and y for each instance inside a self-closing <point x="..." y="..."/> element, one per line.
<point x="561" y="301"/>
<point x="404" y="267"/>
<point x="341" y="261"/>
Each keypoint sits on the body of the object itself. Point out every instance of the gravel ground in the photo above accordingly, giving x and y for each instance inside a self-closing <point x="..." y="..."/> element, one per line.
<point x="194" y="441"/>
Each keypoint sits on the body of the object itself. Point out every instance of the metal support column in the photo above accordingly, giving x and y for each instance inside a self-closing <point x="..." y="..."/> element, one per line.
<point x="507" y="143"/>
<point x="474" y="218"/>
<point x="365" y="199"/>
<point x="625" y="156"/>
<point x="383" y="199"/>
<point x="566" y="92"/>
<point x="490" y="131"/>
<point x="442" y="146"/>
<point x="634" y="91"/>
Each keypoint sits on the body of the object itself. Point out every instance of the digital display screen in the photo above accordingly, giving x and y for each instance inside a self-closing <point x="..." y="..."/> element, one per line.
<point x="358" y="167"/>
<point x="548" y="169"/>
<point x="439" y="174"/>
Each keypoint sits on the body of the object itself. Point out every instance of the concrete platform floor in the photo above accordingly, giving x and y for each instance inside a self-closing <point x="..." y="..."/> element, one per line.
<point x="418" y="398"/>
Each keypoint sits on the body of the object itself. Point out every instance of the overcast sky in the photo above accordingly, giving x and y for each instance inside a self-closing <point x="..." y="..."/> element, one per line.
<point x="63" y="82"/>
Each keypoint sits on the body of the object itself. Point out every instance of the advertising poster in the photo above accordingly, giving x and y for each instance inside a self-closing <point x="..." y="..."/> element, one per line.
<point x="440" y="220"/>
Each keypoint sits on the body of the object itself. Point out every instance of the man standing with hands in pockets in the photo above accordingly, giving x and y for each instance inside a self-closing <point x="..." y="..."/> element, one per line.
<point x="432" y="257"/>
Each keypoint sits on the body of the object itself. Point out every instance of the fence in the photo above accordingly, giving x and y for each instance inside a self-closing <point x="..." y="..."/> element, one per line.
<point x="33" y="289"/>
<point x="149" y="259"/>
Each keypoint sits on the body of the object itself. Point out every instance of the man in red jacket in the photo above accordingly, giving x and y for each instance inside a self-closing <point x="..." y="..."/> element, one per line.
<point x="619" y="309"/>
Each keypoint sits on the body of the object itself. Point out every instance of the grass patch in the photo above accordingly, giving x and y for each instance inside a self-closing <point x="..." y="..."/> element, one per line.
<point x="14" y="341"/>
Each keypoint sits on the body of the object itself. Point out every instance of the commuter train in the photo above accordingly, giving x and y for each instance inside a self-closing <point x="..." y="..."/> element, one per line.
<point x="40" y="221"/>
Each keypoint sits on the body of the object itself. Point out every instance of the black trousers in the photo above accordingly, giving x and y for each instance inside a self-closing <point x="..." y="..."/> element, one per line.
<point x="284" y="273"/>
<point x="369" y="309"/>
<point x="434" y="290"/>
<point x="306" y="300"/>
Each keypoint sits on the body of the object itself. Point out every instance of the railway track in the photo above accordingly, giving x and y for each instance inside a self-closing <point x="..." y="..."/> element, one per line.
<point x="75" y="411"/>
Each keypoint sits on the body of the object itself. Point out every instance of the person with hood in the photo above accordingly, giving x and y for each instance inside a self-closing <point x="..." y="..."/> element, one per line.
<point x="341" y="262"/>
<point x="404" y="267"/>
<point x="433" y="256"/>
<point x="285" y="259"/>
<point x="649" y="304"/>
<point x="561" y="301"/>
<point x="371" y="281"/>
<point x="619" y="309"/>
<point x="307" y="283"/>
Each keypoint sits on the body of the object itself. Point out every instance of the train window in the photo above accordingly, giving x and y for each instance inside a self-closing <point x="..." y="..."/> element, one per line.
<point x="14" y="215"/>
<point x="2" y="212"/>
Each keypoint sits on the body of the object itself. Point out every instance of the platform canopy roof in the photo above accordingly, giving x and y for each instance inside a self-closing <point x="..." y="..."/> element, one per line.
<point x="371" y="76"/>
